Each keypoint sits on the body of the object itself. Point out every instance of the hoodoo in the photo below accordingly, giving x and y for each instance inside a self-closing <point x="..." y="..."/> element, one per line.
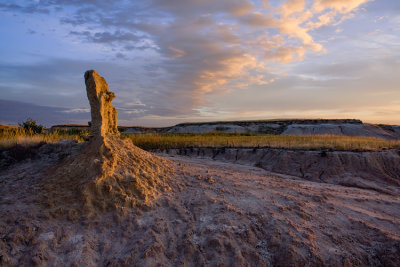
<point x="109" y="172"/>
<point x="104" y="115"/>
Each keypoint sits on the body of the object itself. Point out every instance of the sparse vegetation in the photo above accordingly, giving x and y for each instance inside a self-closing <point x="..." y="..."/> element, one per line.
<point x="30" y="125"/>
<point x="10" y="136"/>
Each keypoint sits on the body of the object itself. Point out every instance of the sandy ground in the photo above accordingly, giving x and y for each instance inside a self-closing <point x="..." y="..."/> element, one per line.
<point x="215" y="214"/>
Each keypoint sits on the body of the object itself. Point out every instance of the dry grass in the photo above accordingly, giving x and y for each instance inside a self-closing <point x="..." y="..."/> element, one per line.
<point x="11" y="136"/>
<point x="159" y="141"/>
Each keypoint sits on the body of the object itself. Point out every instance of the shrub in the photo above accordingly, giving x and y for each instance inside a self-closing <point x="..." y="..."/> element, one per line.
<point x="31" y="126"/>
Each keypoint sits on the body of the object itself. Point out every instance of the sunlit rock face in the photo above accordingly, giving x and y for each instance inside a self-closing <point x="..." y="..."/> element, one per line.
<point x="104" y="115"/>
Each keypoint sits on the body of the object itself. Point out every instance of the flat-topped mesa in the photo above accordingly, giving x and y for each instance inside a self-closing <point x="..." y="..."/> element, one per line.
<point x="104" y="115"/>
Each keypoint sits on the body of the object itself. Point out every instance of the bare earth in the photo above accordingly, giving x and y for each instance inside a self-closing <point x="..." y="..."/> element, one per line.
<point x="213" y="214"/>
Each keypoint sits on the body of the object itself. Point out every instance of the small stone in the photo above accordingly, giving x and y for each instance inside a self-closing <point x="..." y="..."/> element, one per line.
<point x="210" y="179"/>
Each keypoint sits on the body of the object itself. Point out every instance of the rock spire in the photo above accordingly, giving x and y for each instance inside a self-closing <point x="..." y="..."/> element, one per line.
<point x="104" y="115"/>
<point x="107" y="173"/>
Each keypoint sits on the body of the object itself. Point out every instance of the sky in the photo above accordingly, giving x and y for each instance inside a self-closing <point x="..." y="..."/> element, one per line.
<point x="172" y="61"/>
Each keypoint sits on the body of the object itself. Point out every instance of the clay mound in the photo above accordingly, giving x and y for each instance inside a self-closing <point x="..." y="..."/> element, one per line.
<point x="109" y="173"/>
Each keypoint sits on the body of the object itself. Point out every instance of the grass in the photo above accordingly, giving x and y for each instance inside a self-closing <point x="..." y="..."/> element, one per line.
<point x="309" y="142"/>
<point x="11" y="136"/>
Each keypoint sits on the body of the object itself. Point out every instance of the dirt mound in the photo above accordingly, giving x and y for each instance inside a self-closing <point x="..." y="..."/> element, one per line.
<point x="109" y="173"/>
<point x="216" y="214"/>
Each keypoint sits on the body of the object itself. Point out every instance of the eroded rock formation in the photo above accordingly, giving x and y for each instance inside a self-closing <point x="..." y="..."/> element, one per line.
<point x="104" y="115"/>
<point x="109" y="172"/>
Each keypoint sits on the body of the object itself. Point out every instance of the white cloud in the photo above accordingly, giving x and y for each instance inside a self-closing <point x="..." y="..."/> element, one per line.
<point x="76" y="110"/>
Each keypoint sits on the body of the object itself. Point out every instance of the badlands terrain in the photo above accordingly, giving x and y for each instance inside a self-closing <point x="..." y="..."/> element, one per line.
<point x="203" y="212"/>
<point x="343" y="127"/>
<point x="105" y="202"/>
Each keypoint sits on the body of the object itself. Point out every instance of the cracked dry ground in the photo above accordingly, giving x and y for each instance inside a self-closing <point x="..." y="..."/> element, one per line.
<point x="216" y="214"/>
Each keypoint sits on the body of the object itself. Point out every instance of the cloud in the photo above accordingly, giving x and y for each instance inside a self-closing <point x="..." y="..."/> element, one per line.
<point x="13" y="112"/>
<point x="356" y="87"/>
<point x="76" y="110"/>
<point x="334" y="12"/>
<point x="107" y="37"/>
<point x="292" y="6"/>
<point x="28" y="9"/>
<point x="286" y="54"/>
<point x="341" y="6"/>
<point x="198" y="48"/>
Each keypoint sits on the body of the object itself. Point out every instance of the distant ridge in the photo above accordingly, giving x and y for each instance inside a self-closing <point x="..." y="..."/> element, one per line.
<point x="279" y="121"/>
<point x="283" y="121"/>
<point x="339" y="127"/>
